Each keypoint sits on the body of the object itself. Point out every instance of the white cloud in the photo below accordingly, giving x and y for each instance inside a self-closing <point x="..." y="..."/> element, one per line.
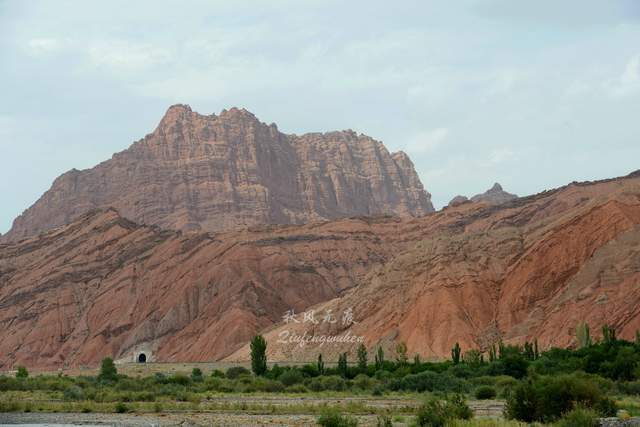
<point x="631" y="75"/>
<point x="427" y="141"/>
<point x="500" y="155"/>
<point x="120" y="55"/>
<point x="44" y="46"/>
<point x="629" y="81"/>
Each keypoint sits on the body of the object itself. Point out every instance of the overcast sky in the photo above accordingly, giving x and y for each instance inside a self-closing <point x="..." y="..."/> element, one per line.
<point x="532" y="94"/>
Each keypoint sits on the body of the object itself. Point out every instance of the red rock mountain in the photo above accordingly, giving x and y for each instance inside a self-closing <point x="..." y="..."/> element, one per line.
<point x="213" y="173"/>
<point x="532" y="268"/>
<point x="103" y="286"/>
<point x="474" y="273"/>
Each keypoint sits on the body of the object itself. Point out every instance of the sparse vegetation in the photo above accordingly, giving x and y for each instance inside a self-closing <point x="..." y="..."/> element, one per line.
<point x="331" y="417"/>
<point x="558" y="385"/>
<point x="579" y="417"/>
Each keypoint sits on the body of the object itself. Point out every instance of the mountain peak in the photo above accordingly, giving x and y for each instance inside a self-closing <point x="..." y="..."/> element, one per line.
<point x="174" y="114"/>
<point x="496" y="187"/>
<point x="494" y="196"/>
<point x="235" y="113"/>
<point x="221" y="172"/>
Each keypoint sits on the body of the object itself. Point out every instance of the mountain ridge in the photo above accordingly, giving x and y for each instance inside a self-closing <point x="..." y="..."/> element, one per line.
<point x="105" y="286"/>
<point x="219" y="172"/>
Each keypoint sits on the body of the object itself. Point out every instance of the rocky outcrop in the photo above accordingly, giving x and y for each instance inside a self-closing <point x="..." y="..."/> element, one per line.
<point x="494" y="196"/>
<point x="457" y="201"/>
<point x="228" y="171"/>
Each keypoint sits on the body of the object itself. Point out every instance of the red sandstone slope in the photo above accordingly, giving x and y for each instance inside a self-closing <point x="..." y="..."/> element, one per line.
<point x="215" y="173"/>
<point x="532" y="268"/>
<point x="104" y="285"/>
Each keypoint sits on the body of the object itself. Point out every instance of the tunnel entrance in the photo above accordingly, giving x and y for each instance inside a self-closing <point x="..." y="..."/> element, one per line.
<point x="142" y="358"/>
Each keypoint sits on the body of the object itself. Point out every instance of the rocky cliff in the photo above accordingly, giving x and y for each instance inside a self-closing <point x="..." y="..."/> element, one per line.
<point x="533" y="267"/>
<point x="221" y="172"/>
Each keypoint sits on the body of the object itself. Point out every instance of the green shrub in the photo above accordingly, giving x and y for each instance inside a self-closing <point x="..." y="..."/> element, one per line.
<point x="606" y="407"/>
<point x="333" y="382"/>
<point x="485" y="392"/>
<point x="217" y="373"/>
<point x="297" y="388"/>
<point x="548" y="398"/>
<point x="363" y="382"/>
<point x="22" y="372"/>
<point x="291" y="377"/>
<point x="74" y="393"/>
<point x="436" y="413"/>
<point x="331" y="417"/>
<point x="179" y="379"/>
<point x="457" y="407"/>
<point x="432" y="414"/>
<point x="270" y="386"/>
<point x="314" y="384"/>
<point x="383" y="375"/>
<point x="121" y="408"/>
<point x="378" y="390"/>
<point x="108" y="371"/>
<point x="430" y="381"/>
<point x="236" y="372"/>
<point x="196" y="375"/>
<point x="384" y="421"/>
<point x="579" y="417"/>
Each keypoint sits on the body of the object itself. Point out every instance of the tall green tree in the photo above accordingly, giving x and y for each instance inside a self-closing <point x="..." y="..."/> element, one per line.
<point x="529" y="351"/>
<point x="342" y="365"/>
<point x="608" y="334"/>
<point x="108" y="371"/>
<point x="401" y="353"/>
<point x="320" y="364"/>
<point x="493" y="353"/>
<point x="455" y="354"/>
<point x="379" y="359"/>
<point x="362" y="357"/>
<point x="259" y="355"/>
<point x="582" y="335"/>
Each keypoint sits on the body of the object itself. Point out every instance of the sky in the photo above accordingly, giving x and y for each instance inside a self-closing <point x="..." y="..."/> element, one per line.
<point x="531" y="94"/>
